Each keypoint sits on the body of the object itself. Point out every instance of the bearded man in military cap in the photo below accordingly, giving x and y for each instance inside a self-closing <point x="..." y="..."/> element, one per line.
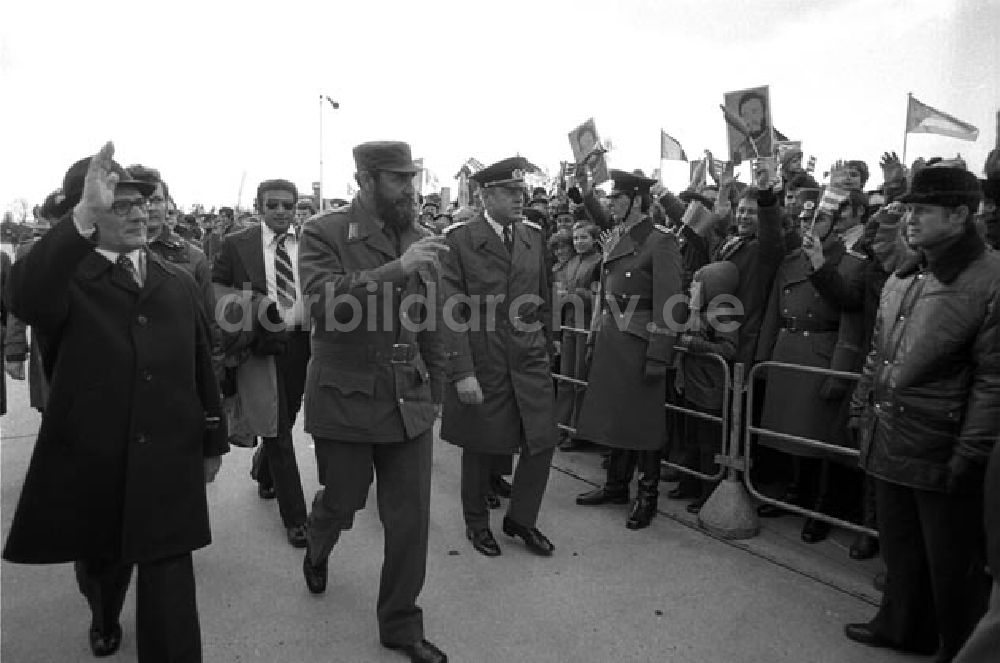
<point x="373" y="390"/>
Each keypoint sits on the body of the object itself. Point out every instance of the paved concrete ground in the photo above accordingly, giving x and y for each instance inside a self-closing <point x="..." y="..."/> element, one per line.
<point x="668" y="593"/>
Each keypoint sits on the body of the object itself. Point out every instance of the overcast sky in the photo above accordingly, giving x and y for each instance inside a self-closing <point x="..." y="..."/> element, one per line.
<point x="206" y="91"/>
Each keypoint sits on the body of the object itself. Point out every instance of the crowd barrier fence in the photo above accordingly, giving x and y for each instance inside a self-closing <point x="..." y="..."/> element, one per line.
<point x="730" y="512"/>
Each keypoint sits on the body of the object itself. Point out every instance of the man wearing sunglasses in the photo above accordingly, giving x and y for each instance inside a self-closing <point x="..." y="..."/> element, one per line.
<point x="259" y="266"/>
<point x="116" y="479"/>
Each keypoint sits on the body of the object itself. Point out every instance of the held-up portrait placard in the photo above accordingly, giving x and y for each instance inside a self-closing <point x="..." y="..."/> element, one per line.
<point x="588" y="151"/>
<point x="749" y="125"/>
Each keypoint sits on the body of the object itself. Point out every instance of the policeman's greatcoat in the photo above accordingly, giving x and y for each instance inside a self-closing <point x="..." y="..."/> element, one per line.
<point x="639" y="277"/>
<point x="507" y="351"/>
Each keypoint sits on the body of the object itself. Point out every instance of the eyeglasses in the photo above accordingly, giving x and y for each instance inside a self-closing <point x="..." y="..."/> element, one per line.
<point x="124" y="207"/>
<point x="273" y="205"/>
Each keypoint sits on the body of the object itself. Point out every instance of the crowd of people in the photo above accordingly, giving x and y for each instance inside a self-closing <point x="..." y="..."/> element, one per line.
<point x="224" y="326"/>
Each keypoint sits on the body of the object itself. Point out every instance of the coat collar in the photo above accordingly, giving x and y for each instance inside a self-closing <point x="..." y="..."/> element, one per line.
<point x="950" y="260"/>
<point x="484" y="237"/>
<point x="94" y="265"/>
<point x="364" y="227"/>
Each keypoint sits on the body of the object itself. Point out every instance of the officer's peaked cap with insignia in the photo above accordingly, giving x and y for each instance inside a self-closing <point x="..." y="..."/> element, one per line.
<point x="509" y="172"/>
<point x="631" y="183"/>
<point x="385" y="155"/>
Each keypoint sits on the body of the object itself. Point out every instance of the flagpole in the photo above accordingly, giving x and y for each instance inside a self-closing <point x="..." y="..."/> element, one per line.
<point x="906" y="127"/>
<point x="319" y="203"/>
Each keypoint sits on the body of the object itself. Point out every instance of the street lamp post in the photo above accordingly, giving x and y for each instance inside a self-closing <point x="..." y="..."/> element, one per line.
<point x="335" y="106"/>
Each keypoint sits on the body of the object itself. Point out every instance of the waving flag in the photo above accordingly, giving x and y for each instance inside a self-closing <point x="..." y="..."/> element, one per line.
<point x="922" y="119"/>
<point x="670" y="148"/>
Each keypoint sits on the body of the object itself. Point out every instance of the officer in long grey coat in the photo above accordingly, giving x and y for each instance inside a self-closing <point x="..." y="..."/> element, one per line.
<point x="499" y="397"/>
<point x="633" y="344"/>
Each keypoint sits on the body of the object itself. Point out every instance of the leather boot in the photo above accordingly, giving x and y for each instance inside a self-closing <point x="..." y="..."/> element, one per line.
<point x="644" y="507"/>
<point x="643" y="510"/>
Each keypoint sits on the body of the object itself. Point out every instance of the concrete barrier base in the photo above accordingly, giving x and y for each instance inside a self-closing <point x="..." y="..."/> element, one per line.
<point x="730" y="513"/>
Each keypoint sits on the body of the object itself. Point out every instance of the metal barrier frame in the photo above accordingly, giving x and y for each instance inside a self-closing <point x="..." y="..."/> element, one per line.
<point x="750" y="430"/>
<point x="727" y="397"/>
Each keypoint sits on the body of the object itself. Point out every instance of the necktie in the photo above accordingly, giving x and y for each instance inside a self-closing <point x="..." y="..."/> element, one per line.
<point x="126" y="264"/>
<point x="507" y="240"/>
<point x="284" y="277"/>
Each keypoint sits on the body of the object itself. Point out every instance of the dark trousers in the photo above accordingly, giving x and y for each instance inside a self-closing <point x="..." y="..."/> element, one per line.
<point x="527" y="489"/>
<point x="984" y="643"/>
<point x="934" y="552"/>
<point x="403" y="492"/>
<point x="274" y="461"/>
<point x="622" y="465"/>
<point x="167" y="629"/>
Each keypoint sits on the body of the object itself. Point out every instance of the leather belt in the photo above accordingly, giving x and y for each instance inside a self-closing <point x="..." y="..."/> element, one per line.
<point x="642" y="303"/>
<point x="793" y="324"/>
<point x="397" y="353"/>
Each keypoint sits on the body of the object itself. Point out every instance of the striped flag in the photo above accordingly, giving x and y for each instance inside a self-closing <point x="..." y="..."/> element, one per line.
<point x="832" y="199"/>
<point x="670" y="148"/>
<point x="923" y="119"/>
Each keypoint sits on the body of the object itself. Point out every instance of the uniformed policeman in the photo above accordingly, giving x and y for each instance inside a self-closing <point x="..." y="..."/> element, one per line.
<point x="374" y="381"/>
<point x="496" y="323"/>
<point x="633" y="338"/>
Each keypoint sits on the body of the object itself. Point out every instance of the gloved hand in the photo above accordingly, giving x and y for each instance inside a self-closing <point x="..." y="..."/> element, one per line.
<point x="854" y="432"/>
<point x="654" y="370"/>
<point x="964" y="475"/>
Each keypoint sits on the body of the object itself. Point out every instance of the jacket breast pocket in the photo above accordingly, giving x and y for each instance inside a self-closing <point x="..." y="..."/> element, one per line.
<point x="342" y="397"/>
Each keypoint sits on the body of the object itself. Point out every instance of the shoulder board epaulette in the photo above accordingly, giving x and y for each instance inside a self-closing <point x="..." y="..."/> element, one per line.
<point x="532" y="224"/>
<point x="662" y="229"/>
<point x="448" y="229"/>
<point x="857" y="254"/>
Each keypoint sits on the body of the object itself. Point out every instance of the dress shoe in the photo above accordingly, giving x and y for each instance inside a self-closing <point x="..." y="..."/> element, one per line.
<point x="420" y="652"/>
<point x="867" y="635"/>
<point x="315" y="575"/>
<point x="266" y="492"/>
<point x="500" y="486"/>
<point x="105" y="643"/>
<point x="695" y="507"/>
<point x="296" y="535"/>
<point x="863" y="547"/>
<point x="815" y="530"/>
<point x="533" y="539"/>
<point x="642" y="513"/>
<point x="602" y="496"/>
<point x="492" y="501"/>
<point x="483" y="541"/>
<point x="681" y="493"/>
